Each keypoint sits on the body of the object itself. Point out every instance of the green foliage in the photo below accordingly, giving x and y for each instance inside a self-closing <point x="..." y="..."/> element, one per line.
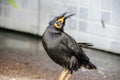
<point x="13" y="3"/>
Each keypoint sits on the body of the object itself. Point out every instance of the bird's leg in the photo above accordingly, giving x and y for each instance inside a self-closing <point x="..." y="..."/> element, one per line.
<point x="63" y="74"/>
<point x="68" y="76"/>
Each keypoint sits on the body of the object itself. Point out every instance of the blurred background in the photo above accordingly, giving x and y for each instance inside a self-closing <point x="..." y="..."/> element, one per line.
<point x="96" y="21"/>
<point x="22" y="23"/>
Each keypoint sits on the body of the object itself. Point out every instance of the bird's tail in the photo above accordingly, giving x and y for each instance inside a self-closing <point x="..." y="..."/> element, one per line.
<point x="90" y="66"/>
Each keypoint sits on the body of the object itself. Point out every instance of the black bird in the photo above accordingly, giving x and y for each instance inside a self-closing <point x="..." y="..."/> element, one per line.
<point x="63" y="49"/>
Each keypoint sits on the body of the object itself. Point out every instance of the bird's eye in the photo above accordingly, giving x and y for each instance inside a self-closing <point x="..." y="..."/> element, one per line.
<point x="59" y="23"/>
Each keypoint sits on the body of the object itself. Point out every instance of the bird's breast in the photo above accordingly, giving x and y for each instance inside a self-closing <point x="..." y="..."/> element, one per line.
<point x="52" y="40"/>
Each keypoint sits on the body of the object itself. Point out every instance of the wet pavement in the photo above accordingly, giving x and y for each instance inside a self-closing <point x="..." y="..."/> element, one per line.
<point x="22" y="57"/>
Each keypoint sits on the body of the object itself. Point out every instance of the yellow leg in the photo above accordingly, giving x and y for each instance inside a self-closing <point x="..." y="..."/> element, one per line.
<point x="68" y="76"/>
<point x="63" y="74"/>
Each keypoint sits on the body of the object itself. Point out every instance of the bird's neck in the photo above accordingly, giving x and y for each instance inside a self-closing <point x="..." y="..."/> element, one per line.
<point x="55" y="29"/>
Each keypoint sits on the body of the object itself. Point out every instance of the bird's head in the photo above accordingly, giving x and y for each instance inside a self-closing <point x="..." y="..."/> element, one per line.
<point x="59" y="21"/>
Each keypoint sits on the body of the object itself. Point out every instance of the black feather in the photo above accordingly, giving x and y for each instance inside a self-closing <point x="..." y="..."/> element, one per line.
<point x="64" y="50"/>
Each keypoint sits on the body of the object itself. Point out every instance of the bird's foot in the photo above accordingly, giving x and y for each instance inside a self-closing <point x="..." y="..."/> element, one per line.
<point x="63" y="74"/>
<point x="68" y="76"/>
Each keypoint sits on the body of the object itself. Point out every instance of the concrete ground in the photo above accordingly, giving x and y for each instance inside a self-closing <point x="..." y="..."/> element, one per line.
<point x="22" y="57"/>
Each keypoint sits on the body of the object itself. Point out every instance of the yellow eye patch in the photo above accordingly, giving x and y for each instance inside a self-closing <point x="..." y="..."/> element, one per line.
<point x="57" y="26"/>
<point x="61" y="20"/>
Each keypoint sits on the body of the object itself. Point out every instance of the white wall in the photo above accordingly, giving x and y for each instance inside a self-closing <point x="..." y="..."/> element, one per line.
<point x="22" y="19"/>
<point x="33" y="16"/>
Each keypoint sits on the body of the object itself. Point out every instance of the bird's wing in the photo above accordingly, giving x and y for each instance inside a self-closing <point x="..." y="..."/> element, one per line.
<point x="71" y="45"/>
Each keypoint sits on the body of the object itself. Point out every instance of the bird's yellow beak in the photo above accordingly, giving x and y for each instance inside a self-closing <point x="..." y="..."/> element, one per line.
<point x="62" y="19"/>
